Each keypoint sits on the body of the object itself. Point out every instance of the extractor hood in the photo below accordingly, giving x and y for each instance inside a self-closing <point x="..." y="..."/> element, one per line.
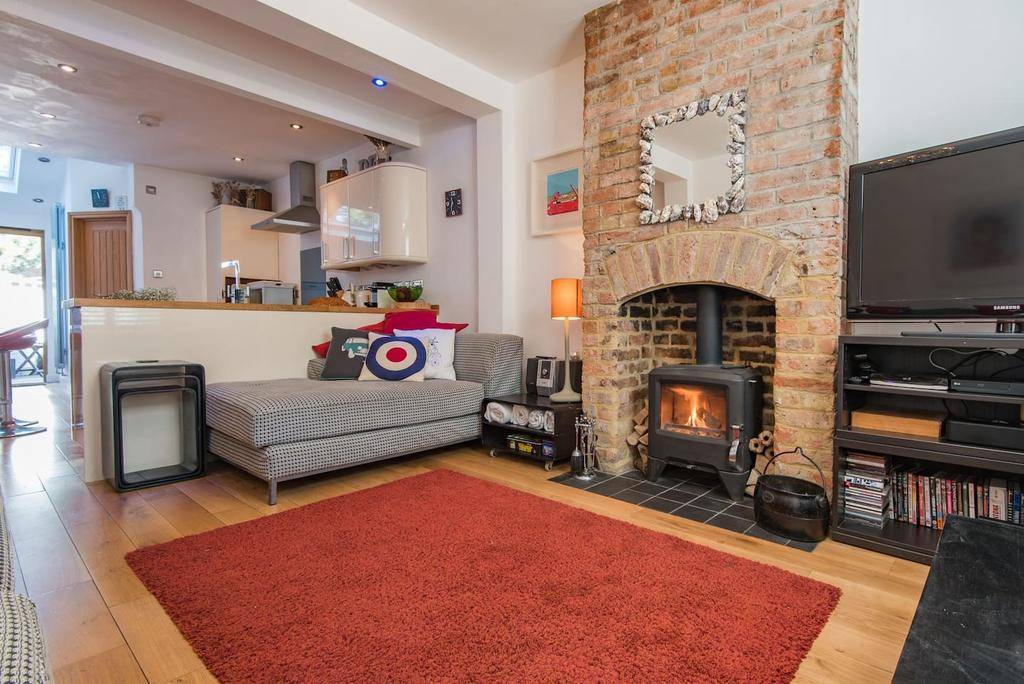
<point x="302" y="216"/>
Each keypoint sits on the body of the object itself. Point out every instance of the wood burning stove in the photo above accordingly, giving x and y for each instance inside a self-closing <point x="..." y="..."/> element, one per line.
<point x="704" y="415"/>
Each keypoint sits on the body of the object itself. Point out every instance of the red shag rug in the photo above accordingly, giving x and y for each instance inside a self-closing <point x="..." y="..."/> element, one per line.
<point x="444" y="577"/>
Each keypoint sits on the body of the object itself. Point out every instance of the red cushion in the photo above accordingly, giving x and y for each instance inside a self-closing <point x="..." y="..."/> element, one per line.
<point x="412" y="319"/>
<point x="321" y="349"/>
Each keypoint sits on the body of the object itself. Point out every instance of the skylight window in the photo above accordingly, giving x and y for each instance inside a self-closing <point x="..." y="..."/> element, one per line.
<point x="7" y="162"/>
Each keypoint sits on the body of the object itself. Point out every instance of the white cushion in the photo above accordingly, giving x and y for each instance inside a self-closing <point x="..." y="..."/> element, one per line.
<point x="440" y="346"/>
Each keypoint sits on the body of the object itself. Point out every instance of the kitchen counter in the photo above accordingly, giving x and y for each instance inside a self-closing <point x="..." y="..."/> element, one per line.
<point x="340" y="307"/>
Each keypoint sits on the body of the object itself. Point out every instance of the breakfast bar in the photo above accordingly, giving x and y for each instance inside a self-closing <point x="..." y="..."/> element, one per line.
<point x="232" y="342"/>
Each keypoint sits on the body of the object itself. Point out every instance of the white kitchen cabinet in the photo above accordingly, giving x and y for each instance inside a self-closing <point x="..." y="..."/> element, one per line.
<point x="375" y="217"/>
<point x="229" y="236"/>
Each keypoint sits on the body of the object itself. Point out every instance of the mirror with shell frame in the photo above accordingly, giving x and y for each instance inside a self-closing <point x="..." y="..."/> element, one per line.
<point x="692" y="160"/>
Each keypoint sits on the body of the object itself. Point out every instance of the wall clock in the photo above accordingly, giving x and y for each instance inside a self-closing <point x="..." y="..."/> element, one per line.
<point x="453" y="202"/>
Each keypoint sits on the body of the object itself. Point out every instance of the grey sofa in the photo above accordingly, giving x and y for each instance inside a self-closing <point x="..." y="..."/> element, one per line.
<point x="283" y="429"/>
<point x="21" y="638"/>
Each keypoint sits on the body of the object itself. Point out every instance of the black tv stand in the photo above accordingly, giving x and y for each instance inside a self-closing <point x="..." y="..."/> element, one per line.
<point x="994" y="336"/>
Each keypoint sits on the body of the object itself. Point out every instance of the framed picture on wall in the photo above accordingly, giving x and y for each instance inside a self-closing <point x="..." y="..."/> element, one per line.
<point x="556" y="200"/>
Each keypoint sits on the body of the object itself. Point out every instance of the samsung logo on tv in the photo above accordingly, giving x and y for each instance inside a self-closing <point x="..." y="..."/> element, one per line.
<point x="1006" y="307"/>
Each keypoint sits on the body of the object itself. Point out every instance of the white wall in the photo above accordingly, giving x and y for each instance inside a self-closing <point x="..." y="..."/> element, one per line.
<point x="935" y="71"/>
<point x="548" y="119"/>
<point x="172" y="227"/>
<point x="83" y="176"/>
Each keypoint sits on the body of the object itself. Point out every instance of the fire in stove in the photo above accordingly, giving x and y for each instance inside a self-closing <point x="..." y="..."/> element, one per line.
<point x="694" y="411"/>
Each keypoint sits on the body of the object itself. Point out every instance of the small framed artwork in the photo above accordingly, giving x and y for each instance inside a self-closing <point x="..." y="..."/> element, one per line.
<point x="556" y="201"/>
<point x="453" y="202"/>
<point x="100" y="198"/>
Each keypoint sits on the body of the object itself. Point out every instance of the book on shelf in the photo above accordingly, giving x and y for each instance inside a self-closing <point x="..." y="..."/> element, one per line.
<point x="866" y="488"/>
<point x="926" y="496"/>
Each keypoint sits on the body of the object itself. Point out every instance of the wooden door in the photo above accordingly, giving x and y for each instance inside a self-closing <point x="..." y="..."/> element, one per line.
<point x="100" y="253"/>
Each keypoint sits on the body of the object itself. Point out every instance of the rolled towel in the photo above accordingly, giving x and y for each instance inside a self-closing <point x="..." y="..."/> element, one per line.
<point x="536" y="419"/>
<point x="520" y="415"/>
<point x="549" y="421"/>
<point x="497" y="412"/>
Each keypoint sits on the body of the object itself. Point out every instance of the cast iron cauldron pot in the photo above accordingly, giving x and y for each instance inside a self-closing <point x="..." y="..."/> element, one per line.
<point x="791" y="507"/>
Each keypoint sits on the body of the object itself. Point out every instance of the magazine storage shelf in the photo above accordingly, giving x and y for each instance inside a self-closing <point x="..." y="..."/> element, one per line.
<point x="915" y="356"/>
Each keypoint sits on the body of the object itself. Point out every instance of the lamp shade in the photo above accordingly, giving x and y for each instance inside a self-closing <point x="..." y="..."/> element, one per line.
<point x="566" y="298"/>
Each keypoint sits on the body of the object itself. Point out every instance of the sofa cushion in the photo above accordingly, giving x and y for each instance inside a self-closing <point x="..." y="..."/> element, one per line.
<point x="260" y="413"/>
<point x="21" y="639"/>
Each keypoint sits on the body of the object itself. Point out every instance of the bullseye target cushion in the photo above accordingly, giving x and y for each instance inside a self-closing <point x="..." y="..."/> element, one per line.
<point x="392" y="357"/>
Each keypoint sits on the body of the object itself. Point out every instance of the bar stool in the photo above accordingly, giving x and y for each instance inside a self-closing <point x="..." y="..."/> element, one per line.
<point x="12" y="340"/>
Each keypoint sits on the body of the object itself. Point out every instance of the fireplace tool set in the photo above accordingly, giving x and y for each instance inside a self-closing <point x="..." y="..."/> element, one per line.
<point x="583" y="461"/>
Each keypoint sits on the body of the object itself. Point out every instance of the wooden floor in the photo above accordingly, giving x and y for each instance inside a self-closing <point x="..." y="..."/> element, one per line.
<point x="102" y="625"/>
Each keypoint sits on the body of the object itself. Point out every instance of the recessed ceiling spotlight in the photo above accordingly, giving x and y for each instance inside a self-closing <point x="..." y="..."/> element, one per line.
<point x="239" y="159"/>
<point x="295" y="126"/>
<point x="45" y="160"/>
<point x="378" y="82"/>
<point x="67" y="68"/>
<point x="46" y="115"/>
<point x="37" y="200"/>
<point x="148" y="120"/>
<point x="34" y="144"/>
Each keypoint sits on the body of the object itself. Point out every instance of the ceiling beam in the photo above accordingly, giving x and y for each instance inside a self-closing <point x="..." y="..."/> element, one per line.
<point x="214" y="66"/>
<point x="348" y="34"/>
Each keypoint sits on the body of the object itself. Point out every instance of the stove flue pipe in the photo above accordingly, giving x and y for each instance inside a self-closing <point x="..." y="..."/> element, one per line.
<point x="709" y="325"/>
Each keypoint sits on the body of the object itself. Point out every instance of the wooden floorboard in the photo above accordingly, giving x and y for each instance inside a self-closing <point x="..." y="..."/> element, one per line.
<point x="102" y="625"/>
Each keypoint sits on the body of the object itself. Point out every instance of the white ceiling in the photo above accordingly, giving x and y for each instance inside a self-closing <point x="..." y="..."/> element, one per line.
<point x="202" y="129"/>
<point x="513" y="39"/>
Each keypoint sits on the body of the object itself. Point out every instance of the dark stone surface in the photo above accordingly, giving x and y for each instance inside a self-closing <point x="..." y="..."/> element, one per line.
<point x="968" y="623"/>
<point x="691" y="494"/>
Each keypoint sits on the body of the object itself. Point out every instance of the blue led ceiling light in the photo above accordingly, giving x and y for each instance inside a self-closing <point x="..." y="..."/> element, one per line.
<point x="378" y="82"/>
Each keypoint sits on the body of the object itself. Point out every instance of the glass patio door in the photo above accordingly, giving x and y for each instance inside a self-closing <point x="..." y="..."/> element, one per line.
<point x="23" y="293"/>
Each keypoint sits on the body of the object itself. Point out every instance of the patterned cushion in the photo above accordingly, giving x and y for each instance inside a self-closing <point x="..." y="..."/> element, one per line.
<point x="282" y="461"/>
<point x="21" y="640"/>
<point x="496" y="361"/>
<point x="267" y="412"/>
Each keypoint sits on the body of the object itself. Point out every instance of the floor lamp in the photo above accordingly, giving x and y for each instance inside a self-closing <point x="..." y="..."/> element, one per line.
<point x="567" y="305"/>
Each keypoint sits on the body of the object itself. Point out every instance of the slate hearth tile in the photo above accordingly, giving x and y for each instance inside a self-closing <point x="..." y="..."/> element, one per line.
<point x="578" y="483"/>
<point x="631" y="495"/>
<point x="691" y="513"/>
<point x="650" y="488"/>
<point x="709" y="504"/>
<point x="719" y="493"/>
<point x="679" y="495"/>
<point x="756" y="531"/>
<point x="729" y="522"/>
<point x="803" y="546"/>
<point x="691" y="488"/>
<point x="612" y="486"/>
<point x="740" y="511"/>
<point x="561" y="478"/>
<point x="660" y="504"/>
<point x="633" y="475"/>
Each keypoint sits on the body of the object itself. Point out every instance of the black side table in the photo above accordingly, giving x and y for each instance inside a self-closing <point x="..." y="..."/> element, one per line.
<point x="557" y="445"/>
<point x="154" y="422"/>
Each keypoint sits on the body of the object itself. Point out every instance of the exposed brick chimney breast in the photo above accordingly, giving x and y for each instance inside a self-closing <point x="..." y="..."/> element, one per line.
<point x="797" y="61"/>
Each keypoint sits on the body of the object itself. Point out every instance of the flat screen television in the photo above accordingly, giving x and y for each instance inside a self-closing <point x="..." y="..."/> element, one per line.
<point x="939" y="232"/>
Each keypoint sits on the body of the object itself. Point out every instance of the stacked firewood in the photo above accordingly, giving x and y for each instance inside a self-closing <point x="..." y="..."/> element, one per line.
<point x="763" y="444"/>
<point x="638" y="438"/>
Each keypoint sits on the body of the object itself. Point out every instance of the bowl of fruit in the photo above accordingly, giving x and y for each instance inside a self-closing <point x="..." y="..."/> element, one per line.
<point x="405" y="292"/>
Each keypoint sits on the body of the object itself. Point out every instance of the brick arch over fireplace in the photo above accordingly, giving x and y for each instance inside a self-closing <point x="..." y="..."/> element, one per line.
<point x="802" y="394"/>
<point x="744" y="261"/>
